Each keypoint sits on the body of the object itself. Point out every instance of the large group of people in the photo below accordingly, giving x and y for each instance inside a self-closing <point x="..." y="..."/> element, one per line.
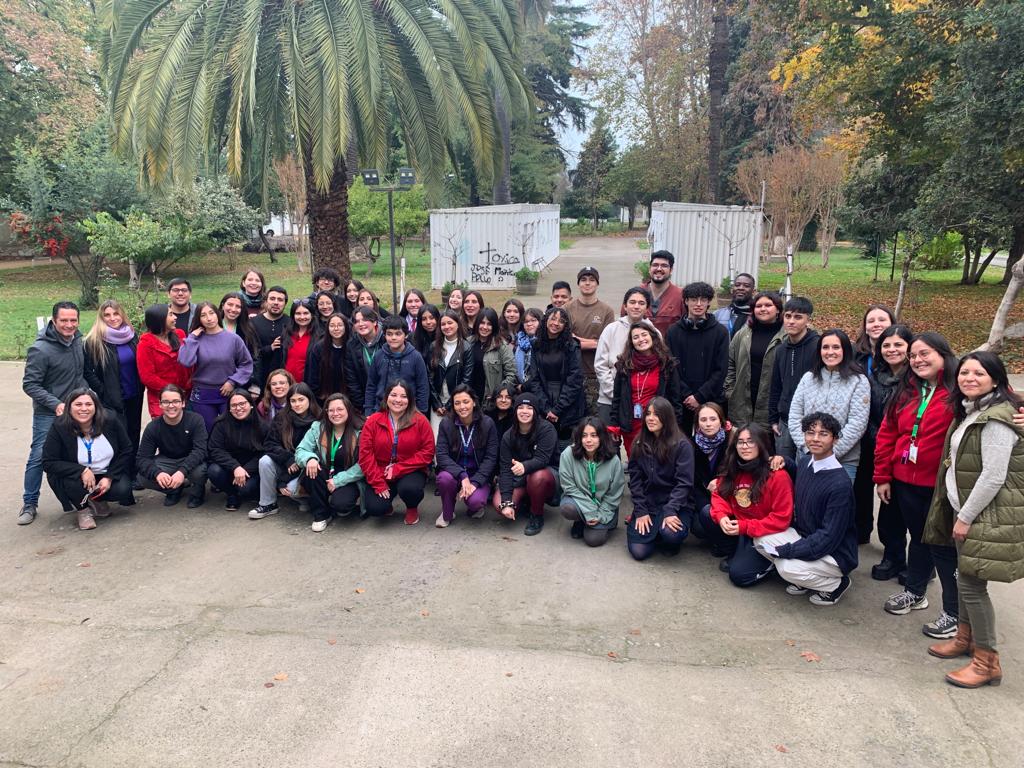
<point x="763" y="438"/>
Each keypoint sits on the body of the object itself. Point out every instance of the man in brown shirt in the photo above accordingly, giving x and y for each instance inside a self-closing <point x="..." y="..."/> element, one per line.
<point x="589" y="316"/>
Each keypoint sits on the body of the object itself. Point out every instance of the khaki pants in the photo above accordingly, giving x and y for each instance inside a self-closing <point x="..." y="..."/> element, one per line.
<point x="821" y="575"/>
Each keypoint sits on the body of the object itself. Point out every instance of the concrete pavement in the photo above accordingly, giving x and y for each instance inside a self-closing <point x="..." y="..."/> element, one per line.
<point x="174" y="637"/>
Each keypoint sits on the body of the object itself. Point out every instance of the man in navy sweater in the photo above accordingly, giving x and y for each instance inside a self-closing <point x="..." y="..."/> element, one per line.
<point x="396" y="359"/>
<point x="819" y="551"/>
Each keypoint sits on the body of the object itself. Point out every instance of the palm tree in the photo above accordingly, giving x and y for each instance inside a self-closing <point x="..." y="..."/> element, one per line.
<point x="191" y="78"/>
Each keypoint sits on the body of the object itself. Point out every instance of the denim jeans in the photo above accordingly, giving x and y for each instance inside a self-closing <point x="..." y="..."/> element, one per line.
<point x="34" y="467"/>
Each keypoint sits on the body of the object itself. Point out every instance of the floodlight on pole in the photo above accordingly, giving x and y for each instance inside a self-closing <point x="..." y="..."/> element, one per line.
<point x="406" y="180"/>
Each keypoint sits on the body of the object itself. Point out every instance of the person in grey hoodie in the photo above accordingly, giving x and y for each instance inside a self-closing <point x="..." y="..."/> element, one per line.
<point x="835" y="385"/>
<point x="795" y="358"/>
<point x="396" y="359"/>
<point x="54" y="367"/>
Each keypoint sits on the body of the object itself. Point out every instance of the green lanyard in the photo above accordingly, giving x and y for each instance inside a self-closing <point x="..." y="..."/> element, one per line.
<point x="592" y="478"/>
<point x="335" y="445"/>
<point x="367" y="356"/>
<point x="925" y="399"/>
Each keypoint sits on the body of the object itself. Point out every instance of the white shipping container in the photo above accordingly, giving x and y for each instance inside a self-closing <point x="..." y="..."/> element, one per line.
<point x="708" y="241"/>
<point x="484" y="247"/>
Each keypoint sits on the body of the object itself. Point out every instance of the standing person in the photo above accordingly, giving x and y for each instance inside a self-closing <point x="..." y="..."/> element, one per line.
<point x="426" y="332"/>
<point x="325" y="304"/>
<point x="395" y="449"/>
<point x="350" y="297"/>
<point x="301" y="333"/>
<point x="818" y="551"/>
<point x="471" y="306"/>
<point x="876" y="319"/>
<point x="666" y="305"/>
<point x="661" y="484"/>
<point x="700" y="345"/>
<point x="749" y="500"/>
<point x="834" y="385"/>
<point x="467" y="457"/>
<point x="269" y="326"/>
<point x="236" y="320"/>
<point x="325" y="280"/>
<point x="397" y="359"/>
<point x="794" y="358"/>
<point x="172" y="452"/>
<point x="411" y="306"/>
<point x="157" y="356"/>
<point x="588" y="317"/>
<point x="220" y="363"/>
<point x="908" y="456"/>
<point x="87" y="459"/>
<point x="890" y="366"/>
<point x="525" y="341"/>
<point x="644" y="370"/>
<point x="111" y="369"/>
<point x="368" y="298"/>
<point x="557" y="380"/>
<point x="329" y="459"/>
<point x="253" y="288"/>
<point x="366" y="340"/>
<point x="592" y="481"/>
<point x="325" y="370"/>
<point x="979" y="505"/>
<point x="527" y="465"/>
<point x="275" y="395"/>
<point x="179" y="298"/>
<point x="613" y="342"/>
<point x="511" y="321"/>
<point x="751" y="358"/>
<point x="278" y="467"/>
<point x="561" y="294"/>
<point x="54" y="367"/>
<point x="236" y="445"/>
<point x="494" y="363"/>
<point x="738" y="313"/>
<point x="451" y="366"/>
<point x="455" y="300"/>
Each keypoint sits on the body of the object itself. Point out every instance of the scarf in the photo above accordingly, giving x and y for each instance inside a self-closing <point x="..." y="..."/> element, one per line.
<point x="644" y="361"/>
<point x="524" y="341"/>
<point x="119" y="336"/>
<point x="253" y="302"/>
<point x="748" y="466"/>
<point x="709" y="445"/>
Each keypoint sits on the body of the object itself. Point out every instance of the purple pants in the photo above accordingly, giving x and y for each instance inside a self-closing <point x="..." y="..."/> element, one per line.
<point x="208" y="403"/>
<point x="448" y="488"/>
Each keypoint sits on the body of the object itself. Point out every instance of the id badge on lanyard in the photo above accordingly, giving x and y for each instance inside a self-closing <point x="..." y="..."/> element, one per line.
<point x="394" y="441"/>
<point x="911" y="453"/>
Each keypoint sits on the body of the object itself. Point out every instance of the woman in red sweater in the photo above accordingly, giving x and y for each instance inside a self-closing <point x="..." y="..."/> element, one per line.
<point x="157" y="357"/>
<point x="749" y="500"/>
<point x="908" y="453"/>
<point x="301" y="334"/>
<point x="395" y="449"/>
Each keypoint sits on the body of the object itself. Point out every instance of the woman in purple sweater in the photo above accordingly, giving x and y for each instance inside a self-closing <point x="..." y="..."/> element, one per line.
<point x="220" y="362"/>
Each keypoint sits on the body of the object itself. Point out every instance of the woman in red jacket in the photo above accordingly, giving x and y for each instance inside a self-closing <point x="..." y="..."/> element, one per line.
<point x="395" y="449"/>
<point x="749" y="500"/>
<point x="157" y="357"/>
<point x="908" y="453"/>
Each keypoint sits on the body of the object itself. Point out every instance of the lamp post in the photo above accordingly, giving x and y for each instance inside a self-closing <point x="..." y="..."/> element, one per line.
<point x="406" y="180"/>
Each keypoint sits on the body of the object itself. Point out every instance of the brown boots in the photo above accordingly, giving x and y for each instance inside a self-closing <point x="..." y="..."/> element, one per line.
<point x="984" y="669"/>
<point x="86" y="522"/>
<point x="960" y="645"/>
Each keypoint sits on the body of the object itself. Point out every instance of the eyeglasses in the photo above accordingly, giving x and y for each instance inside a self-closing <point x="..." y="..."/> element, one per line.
<point x="238" y="406"/>
<point x="745" y="443"/>
<point x="698" y="300"/>
<point x="171" y="403"/>
<point x="180" y="290"/>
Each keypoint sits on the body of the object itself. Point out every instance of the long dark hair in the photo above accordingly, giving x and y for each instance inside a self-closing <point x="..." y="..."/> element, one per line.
<point x="848" y="367"/>
<point x="285" y="417"/>
<point x="438" y="348"/>
<point x="863" y="345"/>
<point x="415" y="292"/>
<point x="993" y="367"/>
<point x="665" y="358"/>
<point x="335" y="304"/>
<point x="491" y="317"/>
<point x="774" y="298"/>
<point x="240" y="430"/>
<point x="606" y="447"/>
<point x="243" y="325"/>
<point x="422" y="338"/>
<point x="879" y="364"/>
<point x="661" y="446"/>
<point x="730" y="466"/>
<point x="455" y="443"/>
<point x="520" y="442"/>
<point x="155" y="320"/>
<point x="291" y="328"/>
<point x="197" y="323"/>
<point x="471" y="324"/>
<point x="544" y="342"/>
<point x="263" y="284"/>
<point x="348" y="437"/>
<point x="66" y="423"/>
<point x="326" y="369"/>
<point x="410" y="411"/>
<point x="910" y="382"/>
<point x="506" y="331"/>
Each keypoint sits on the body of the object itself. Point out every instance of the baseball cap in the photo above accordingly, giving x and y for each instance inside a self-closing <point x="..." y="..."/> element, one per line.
<point x="591" y="271"/>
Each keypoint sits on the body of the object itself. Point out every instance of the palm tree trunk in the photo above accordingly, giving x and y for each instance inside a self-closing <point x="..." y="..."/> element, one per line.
<point x="718" y="63"/>
<point x="327" y="217"/>
<point x="502" y="192"/>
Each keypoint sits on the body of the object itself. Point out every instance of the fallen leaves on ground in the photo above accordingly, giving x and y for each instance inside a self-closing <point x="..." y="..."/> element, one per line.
<point x="424" y="612"/>
<point x="508" y="538"/>
<point x="359" y="590"/>
<point x="634" y="631"/>
<point x="612" y="655"/>
<point x="781" y="748"/>
<point x="49" y="552"/>
<point x="332" y="641"/>
<point x="810" y="656"/>
<point x="508" y="674"/>
<point x="791" y="643"/>
<point x="281" y="676"/>
<point x="85" y="565"/>
<point x="268" y="685"/>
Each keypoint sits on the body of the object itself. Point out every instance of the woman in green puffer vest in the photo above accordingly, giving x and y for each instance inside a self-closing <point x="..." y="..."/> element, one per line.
<point x="979" y="504"/>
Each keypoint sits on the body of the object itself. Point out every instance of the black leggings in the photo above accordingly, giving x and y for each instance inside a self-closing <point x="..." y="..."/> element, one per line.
<point x="409" y="488"/>
<point x="324" y="505"/>
<point x="913" y="502"/>
<point x="70" y="491"/>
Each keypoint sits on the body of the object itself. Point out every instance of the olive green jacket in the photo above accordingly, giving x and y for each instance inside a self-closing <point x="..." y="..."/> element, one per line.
<point x="994" y="548"/>
<point x="737" y="379"/>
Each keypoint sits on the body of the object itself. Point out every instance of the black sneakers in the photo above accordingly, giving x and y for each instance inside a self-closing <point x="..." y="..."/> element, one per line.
<point x="534" y="525"/>
<point x="831" y="598"/>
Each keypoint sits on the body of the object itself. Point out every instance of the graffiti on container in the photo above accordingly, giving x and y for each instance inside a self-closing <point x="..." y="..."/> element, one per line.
<point x="480" y="273"/>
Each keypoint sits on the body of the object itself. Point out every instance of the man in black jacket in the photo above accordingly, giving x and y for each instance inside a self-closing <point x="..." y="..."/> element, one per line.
<point x="172" y="452"/>
<point x="794" y="358"/>
<point x="269" y="326"/>
<point x="700" y="345"/>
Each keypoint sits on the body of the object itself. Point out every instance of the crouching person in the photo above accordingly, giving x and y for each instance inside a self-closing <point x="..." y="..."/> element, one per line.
<point x="172" y="451"/>
<point x="329" y="458"/>
<point x="527" y="465"/>
<point x="467" y="457"/>
<point x="236" y="444"/>
<point x="592" y="482"/>
<point x="819" y="551"/>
